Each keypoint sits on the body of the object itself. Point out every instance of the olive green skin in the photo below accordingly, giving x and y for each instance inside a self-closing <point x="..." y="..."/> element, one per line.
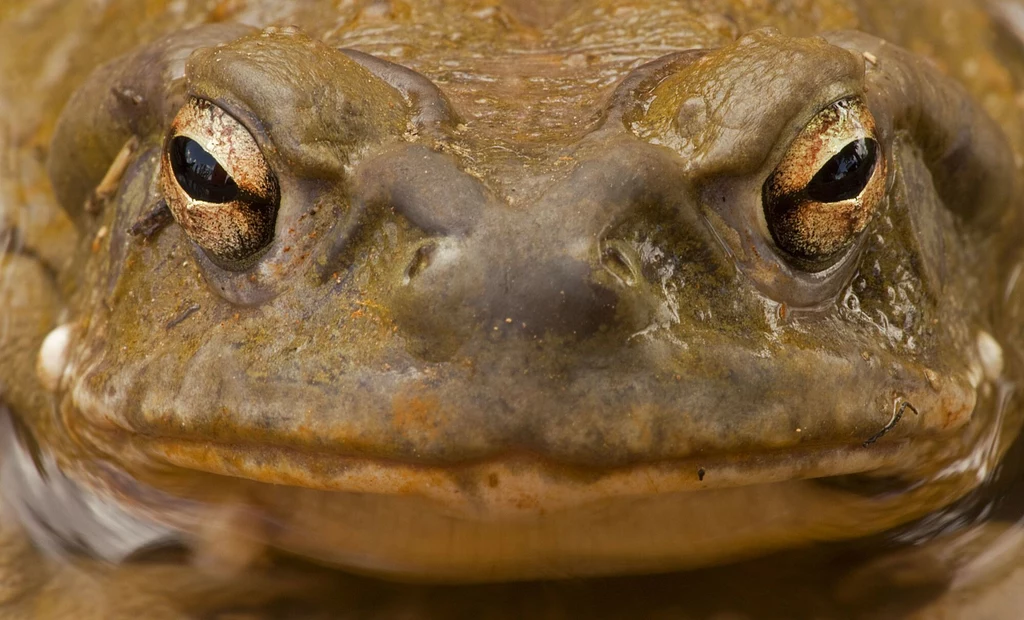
<point x="521" y="316"/>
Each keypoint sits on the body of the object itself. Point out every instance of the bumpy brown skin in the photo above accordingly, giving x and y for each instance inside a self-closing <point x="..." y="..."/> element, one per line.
<point x="521" y="316"/>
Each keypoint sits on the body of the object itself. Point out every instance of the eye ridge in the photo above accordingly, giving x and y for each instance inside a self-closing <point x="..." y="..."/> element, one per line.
<point x="846" y="174"/>
<point x="199" y="173"/>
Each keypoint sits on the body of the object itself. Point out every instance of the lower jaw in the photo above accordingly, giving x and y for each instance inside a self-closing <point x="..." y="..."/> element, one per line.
<point x="415" y="539"/>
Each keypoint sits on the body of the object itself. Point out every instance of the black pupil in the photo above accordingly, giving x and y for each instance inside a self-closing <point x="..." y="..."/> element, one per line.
<point x="199" y="173"/>
<point x="845" y="175"/>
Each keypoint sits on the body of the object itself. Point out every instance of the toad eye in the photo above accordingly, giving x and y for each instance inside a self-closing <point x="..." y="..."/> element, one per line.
<point x="199" y="173"/>
<point x="218" y="185"/>
<point x="827" y="187"/>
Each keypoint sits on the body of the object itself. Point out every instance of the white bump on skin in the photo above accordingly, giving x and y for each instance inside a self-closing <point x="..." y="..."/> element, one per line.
<point x="53" y="357"/>
<point x="974" y="374"/>
<point x="991" y="355"/>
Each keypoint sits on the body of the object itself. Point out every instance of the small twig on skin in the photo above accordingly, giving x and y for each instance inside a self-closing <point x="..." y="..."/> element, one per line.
<point x="112" y="179"/>
<point x="888" y="427"/>
<point x="152" y="221"/>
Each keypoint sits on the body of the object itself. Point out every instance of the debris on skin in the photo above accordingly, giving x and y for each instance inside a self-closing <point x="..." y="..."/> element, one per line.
<point x="892" y="423"/>
<point x="181" y="317"/>
<point x="53" y="357"/>
<point x="97" y="241"/>
<point x="152" y="221"/>
<point x="112" y="179"/>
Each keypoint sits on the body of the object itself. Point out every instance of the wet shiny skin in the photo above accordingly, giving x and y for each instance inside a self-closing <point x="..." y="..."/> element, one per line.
<point x="521" y="315"/>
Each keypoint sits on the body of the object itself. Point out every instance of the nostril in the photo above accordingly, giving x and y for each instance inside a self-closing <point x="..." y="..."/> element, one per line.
<point x="420" y="261"/>
<point x="620" y="260"/>
<point x="433" y="302"/>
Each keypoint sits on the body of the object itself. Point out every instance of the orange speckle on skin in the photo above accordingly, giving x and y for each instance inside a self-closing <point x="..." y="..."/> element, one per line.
<point x="226" y="9"/>
<point x="524" y="502"/>
<point x="416" y="414"/>
<point x="306" y="431"/>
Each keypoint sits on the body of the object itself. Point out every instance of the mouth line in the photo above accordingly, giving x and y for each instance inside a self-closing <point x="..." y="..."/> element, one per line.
<point x="446" y="430"/>
<point x="464" y="446"/>
<point x="289" y="493"/>
<point x="515" y="482"/>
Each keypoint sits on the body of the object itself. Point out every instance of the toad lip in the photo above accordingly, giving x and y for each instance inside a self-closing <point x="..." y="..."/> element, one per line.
<point x="452" y="416"/>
